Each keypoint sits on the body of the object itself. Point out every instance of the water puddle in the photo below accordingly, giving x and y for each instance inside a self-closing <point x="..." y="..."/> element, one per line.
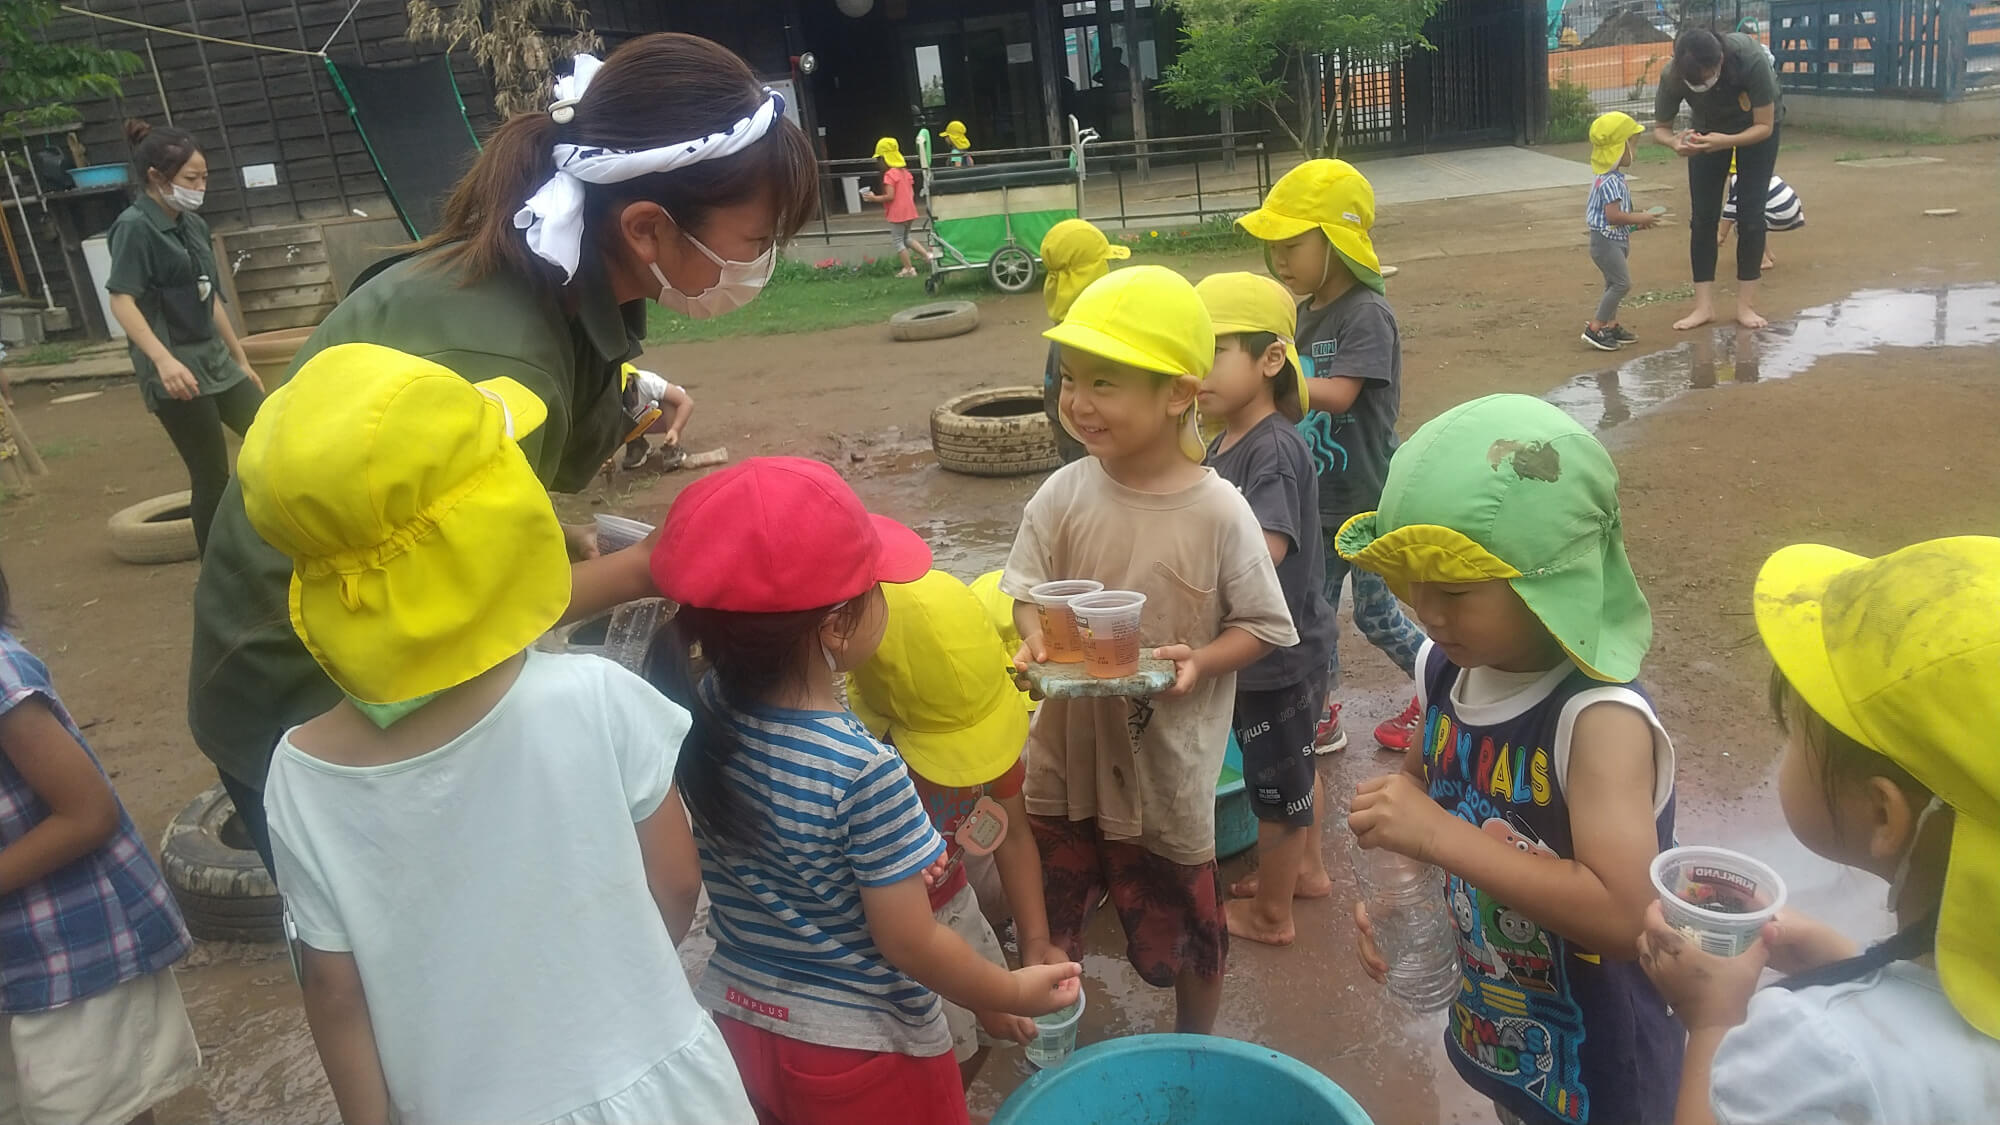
<point x="1952" y="316"/>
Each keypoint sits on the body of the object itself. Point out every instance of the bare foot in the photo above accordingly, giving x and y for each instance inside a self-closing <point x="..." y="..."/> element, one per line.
<point x="1770" y="263"/>
<point x="1246" y="923"/>
<point x="1700" y="316"/>
<point x="1310" y="885"/>
<point x="1748" y="318"/>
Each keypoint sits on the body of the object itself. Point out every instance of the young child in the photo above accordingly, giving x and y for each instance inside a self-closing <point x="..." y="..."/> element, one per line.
<point x="1614" y="139"/>
<point x="814" y="843"/>
<point x="899" y="194"/>
<point x="1121" y="792"/>
<point x="655" y="407"/>
<point x="1885" y="689"/>
<point x="1314" y="226"/>
<point x="1074" y="254"/>
<point x="1257" y="392"/>
<point x="958" y="157"/>
<point x="1783" y="210"/>
<point x="479" y="847"/>
<point x="938" y="692"/>
<point x="92" y="1028"/>
<point x="1543" y="784"/>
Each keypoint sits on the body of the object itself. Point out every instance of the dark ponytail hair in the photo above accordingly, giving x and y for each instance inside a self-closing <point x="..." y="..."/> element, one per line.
<point x="653" y="91"/>
<point x="748" y="657"/>
<point x="1698" y="50"/>
<point x="158" y="148"/>
<point x="1844" y="762"/>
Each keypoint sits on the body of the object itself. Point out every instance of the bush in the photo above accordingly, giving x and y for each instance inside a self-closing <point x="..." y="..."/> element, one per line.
<point x="1570" y="110"/>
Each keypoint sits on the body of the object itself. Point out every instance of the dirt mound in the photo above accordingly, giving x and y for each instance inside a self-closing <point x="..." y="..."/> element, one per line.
<point x="1626" y="27"/>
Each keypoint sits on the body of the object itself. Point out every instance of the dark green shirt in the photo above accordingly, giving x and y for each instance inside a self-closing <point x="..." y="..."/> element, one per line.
<point x="1747" y="82"/>
<point x="167" y="265"/>
<point x="250" y="678"/>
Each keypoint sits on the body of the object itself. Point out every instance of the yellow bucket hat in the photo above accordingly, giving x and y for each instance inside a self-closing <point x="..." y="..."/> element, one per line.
<point x="954" y="132"/>
<point x="424" y="549"/>
<point x="1608" y="134"/>
<point x="1000" y="611"/>
<point x="939" y="686"/>
<point x="1899" y="653"/>
<point x="1150" y="318"/>
<point x="1330" y="195"/>
<point x="890" y="152"/>
<point x="1074" y="254"/>
<point x="1247" y="302"/>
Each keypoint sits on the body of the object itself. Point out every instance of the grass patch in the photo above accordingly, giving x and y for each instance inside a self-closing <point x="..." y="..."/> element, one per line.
<point x="59" y="448"/>
<point x="809" y="298"/>
<point x="1662" y="296"/>
<point x="1850" y="154"/>
<point x="48" y="355"/>
<point x="1218" y="234"/>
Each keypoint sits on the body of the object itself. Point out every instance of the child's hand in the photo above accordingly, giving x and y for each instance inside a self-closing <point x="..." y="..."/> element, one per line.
<point x="1799" y="943"/>
<point x="1032" y="651"/>
<point x="1394" y="812"/>
<point x="935" y="873"/>
<point x="1041" y="989"/>
<point x="1645" y="220"/>
<point x="1706" y="991"/>
<point x="1007" y="1028"/>
<point x="581" y="540"/>
<point x="1365" y="949"/>
<point x="1188" y="672"/>
<point x="1041" y="951"/>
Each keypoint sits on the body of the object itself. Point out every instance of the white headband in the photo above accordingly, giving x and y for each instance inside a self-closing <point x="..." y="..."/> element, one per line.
<point x="553" y="216"/>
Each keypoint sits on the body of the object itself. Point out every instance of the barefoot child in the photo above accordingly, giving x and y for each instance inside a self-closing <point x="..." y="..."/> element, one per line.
<point x="1257" y="392"/>
<point x="1121" y="792"/>
<point x="899" y="194"/>
<point x="1543" y="784"/>
<point x="1314" y="226"/>
<point x="480" y="846"/>
<point x="1885" y="689"/>
<point x="938" y="692"/>
<point x="829" y="962"/>
<point x="92" y="1028"/>
<point x="1614" y="140"/>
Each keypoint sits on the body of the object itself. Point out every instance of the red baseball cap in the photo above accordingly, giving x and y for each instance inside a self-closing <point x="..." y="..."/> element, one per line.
<point x="779" y="535"/>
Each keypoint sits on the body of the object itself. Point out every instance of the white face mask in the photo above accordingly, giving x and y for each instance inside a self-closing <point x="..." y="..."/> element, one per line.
<point x="736" y="286"/>
<point x="1705" y="87"/>
<point x="186" y="198"/>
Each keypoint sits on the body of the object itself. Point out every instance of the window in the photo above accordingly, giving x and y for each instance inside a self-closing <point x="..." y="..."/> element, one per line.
<point x="930" y="76"/>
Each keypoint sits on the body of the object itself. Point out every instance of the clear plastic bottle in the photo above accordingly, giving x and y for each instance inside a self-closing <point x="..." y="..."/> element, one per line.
<point x="631" y="631"/>
<point x="1413" y="927"/>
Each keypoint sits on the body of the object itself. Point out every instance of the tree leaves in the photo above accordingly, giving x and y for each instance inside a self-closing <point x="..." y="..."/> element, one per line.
<point x="39" y="79"/>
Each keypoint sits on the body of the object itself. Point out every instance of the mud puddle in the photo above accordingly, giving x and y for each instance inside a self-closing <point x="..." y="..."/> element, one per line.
<point x="1951" y="316"/>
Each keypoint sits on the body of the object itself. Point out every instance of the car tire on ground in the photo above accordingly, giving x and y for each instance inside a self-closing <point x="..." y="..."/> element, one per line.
<point x="222" y="888"/>
<point x="153" y="531"/>
<point x="1000" y="432"/>
<point x="935" y="321"/>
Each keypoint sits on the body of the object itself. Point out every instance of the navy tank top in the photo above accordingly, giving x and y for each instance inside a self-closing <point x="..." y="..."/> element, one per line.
<point x="1546" y="1028"/>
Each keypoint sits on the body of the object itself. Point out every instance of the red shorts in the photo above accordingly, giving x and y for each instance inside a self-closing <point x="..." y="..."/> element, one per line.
<point x="791" y="1082"/>
<point x="1172" y="912"/>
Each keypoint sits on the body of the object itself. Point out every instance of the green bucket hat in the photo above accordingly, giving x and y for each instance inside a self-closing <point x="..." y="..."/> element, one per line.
<point x="1509" y="487"/>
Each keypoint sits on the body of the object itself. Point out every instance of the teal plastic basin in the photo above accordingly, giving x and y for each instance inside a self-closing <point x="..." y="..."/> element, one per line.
<point x="1180" y="1080"/>
<point x="1235" y="822"/>
<point x="100" y="175"/>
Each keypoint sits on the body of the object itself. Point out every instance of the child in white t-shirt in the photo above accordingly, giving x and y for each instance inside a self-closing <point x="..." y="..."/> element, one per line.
<point x="480" y="848"/>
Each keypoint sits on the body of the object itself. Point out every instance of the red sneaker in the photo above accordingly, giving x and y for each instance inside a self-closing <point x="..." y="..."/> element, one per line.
<point x="1398" y="733"/>
<point x="1329" y="738"/>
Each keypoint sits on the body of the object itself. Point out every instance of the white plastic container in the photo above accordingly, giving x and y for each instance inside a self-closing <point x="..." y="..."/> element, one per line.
<point x="1108" y="621"/>
<point x="1413" y="927"/>
<point x="1721" y="898"/>
<point x="1055" y="1034"/>
<point x="1059" y="632"/>
<point x="615" y="533"/>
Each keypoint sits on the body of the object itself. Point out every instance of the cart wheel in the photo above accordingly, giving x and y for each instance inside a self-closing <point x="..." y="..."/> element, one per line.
<point x="931" y="284"/>
<point x="1012" y="269"/>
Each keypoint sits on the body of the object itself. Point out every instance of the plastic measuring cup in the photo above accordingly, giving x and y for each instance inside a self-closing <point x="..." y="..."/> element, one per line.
<point x="1058" y="623"/>
<point x="1720" y="898"/>
<point x="1055" y="1034"/>
<point x="1109" y="623"/>
<point x="615" y="533"/>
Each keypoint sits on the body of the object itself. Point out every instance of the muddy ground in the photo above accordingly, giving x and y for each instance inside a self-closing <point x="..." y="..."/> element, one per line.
<point x="1867" y="451"/>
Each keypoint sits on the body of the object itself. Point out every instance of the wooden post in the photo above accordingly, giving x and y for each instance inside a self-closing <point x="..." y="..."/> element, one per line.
<point x="1229" y="138"/>
<point x="1048" y="45"/>
<point x="1135" y="79"/>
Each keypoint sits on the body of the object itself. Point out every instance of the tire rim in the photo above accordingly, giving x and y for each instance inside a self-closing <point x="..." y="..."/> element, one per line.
<point x="1013" y="268"/>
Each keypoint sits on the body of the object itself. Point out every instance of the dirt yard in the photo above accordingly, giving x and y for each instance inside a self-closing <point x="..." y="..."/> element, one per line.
<point x="1867" y="451"/>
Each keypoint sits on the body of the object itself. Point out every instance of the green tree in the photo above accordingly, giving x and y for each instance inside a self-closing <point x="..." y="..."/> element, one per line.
<point x="518" y="42"/>
<point x="1269" y="53"/>
<point x="39" y="79"/>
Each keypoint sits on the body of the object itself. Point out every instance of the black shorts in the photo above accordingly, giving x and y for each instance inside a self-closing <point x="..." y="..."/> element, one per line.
<point x="1275" y="730"/>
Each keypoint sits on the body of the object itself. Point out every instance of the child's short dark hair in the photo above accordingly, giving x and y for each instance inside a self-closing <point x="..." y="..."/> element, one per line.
<point x="1257" y="343"/>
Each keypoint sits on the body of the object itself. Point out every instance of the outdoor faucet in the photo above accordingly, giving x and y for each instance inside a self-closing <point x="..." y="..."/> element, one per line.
<point x="236" y="263"/>
<point x="292" y="254"/>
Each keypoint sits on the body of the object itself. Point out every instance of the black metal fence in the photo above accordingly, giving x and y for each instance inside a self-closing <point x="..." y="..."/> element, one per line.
<point x="1929" y="49"/>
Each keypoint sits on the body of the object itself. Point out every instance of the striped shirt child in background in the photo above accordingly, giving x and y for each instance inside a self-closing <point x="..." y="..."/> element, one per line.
<point x="1783" y="210"/>
<point x="816" y="849"/>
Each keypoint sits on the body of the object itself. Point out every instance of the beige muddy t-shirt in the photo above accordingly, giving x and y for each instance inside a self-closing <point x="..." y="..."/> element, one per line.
<point x="1146" y="769"/>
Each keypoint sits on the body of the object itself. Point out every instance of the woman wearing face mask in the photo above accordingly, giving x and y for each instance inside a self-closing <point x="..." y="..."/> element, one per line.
<point x="1731" y="91"/>
<point x="665" y="173"/>
<point x="193" y="375"/>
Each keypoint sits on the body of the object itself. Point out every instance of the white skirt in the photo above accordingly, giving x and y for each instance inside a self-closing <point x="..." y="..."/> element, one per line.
<point x="108" y="1057"/>
<point x="696" y="1085"/>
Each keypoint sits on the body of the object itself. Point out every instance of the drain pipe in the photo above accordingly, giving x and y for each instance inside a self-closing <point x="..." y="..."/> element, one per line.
<point x="14" y="187"/>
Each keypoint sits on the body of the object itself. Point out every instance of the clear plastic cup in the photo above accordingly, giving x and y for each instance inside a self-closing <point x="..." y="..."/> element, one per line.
<point x="615" y="533"/>
<point x="1059" y="632"/>
<point x="1720" y="898"/>
<point x="1055" y="1034"/>
<point x="1109" y="623"/>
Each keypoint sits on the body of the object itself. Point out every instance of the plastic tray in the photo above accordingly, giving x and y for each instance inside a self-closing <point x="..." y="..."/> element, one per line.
<point x="1074" y="681"/>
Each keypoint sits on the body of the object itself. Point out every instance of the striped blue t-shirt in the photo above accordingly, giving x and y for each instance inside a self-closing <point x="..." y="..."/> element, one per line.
<point x="1608" y="188"/>
<point x="835" y="812"/>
